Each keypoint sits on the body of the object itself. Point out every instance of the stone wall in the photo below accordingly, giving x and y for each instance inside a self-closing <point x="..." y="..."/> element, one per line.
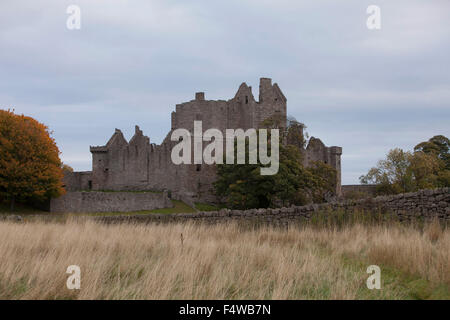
<point x="84" y="202"/>
<point x="425" y="205"/>
<point x="76" y="181"/>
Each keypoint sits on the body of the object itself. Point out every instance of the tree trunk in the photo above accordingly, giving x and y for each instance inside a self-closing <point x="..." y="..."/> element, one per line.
<point x="13" y="203"/>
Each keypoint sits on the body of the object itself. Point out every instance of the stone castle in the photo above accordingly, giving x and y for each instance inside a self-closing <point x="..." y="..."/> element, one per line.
<point x="142" y="165"/>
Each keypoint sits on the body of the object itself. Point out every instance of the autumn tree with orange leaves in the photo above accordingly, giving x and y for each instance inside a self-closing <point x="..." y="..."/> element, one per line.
<point x="30" y="168"/>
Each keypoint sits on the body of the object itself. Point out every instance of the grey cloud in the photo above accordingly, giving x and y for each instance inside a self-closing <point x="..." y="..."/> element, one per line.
<point x="132" y="61"/>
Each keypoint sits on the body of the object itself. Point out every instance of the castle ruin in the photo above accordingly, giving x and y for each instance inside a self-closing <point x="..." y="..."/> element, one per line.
<point x="142" y="165"/>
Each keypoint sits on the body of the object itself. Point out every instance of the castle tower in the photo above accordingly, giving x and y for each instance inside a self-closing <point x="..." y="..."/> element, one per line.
<point x="272" y="102"/>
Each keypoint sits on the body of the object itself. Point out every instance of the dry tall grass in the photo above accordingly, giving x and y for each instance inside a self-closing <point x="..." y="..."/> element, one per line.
<point x="217" y="262"/>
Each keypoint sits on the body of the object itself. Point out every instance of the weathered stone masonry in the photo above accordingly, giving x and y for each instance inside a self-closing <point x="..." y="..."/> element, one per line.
<point x="142" y="165"/>
<point x="424" y="205"/>
<point x="83" y="202"/>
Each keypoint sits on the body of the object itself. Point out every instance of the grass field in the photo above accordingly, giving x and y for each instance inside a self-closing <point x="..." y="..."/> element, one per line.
<point x="185" y="261"/>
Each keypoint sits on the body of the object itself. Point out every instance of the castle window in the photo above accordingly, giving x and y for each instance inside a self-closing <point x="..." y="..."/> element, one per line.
<point x="246" y="99"/>
<point x="199" y="167"/>
<point x="90" y="184"/>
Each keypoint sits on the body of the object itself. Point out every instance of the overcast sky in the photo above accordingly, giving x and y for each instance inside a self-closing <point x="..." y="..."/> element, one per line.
<point x="133" y="61"/>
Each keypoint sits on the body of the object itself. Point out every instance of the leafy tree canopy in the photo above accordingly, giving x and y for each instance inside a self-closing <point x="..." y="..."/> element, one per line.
<point x="439" y="146"/>
<point x="405" y="171"/>
<point x="30" y="168"/>
<point x="243" y="187"/>
<point x="66" y="167"/>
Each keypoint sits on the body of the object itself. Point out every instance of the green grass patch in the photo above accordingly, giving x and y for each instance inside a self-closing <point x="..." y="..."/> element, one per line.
<point x="178" y="207"/>
<point x="20" y="209"/>
<point x="206" y="207"/>
<point x="395" y="282"/>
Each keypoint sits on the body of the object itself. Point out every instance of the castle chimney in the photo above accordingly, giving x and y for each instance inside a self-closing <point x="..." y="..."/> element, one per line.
<point x="265" y="88"/>
<point x="200" y="96"/>
<point x="137" y="130"/>
<point x="265" y="82"/>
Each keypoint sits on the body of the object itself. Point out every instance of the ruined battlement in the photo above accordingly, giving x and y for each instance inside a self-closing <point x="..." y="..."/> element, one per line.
<point x="98" y="149"/>
<point x="242" y="111"/>
<point x="140" y="165"/>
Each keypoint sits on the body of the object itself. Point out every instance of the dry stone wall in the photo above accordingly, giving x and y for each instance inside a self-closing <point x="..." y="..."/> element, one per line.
<point x="425" y="205"/>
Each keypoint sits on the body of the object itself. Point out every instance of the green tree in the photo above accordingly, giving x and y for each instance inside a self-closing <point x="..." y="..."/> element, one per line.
<point x="295" y="133"/>
<point x="391" y="175"/>
<point x="30" y="168"/>
<point x="322" y="180"/>
<point x="66" y="168"/>
<point x="404" y="171"/>
<point x="243" y="187"/>
<point x="438" y="146"/>
<point x="424" y="169"/>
